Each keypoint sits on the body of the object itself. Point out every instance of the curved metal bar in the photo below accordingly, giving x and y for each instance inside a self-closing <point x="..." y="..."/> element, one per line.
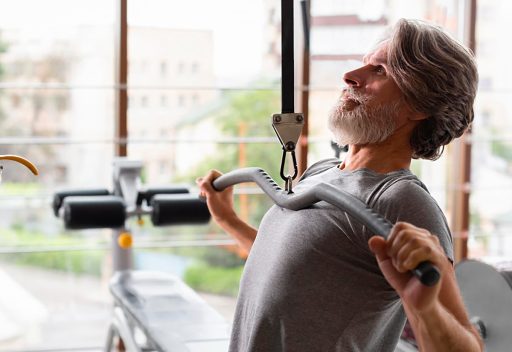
<point x="426" y="272"/>
<point x="22" y="161"/>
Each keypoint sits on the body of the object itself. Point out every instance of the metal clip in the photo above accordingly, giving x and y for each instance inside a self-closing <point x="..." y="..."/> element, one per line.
<point x="288" y="185"/>
<point x="288" y="178"/>
<point x="288" y="128"/>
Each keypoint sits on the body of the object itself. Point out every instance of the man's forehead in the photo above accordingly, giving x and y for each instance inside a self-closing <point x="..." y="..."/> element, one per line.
<point x="378" y="55"/>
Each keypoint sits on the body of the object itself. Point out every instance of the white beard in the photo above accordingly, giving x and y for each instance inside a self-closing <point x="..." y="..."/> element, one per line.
<point x="362" y="124"/>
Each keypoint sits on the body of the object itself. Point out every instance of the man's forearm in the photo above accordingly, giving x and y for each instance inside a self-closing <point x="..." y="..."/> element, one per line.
<point x="241" y="231"/>
<point x="439" y="331"/>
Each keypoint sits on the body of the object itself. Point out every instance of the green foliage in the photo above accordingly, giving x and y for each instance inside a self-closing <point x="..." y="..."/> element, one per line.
<point x="248" y="114"/>
<point x="20" y="188"/>
<point x="76" y="262"/>
<point x="416" y="167"/>
<point x="252" y="108"/>
<point x="218" y="280"/>
<point x="502" y="149"/>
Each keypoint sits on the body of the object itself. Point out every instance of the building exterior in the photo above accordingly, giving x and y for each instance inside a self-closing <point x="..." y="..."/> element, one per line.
<point x="170" y="74"/>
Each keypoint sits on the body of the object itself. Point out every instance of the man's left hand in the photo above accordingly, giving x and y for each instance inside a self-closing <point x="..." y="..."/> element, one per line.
<point x="406" y="247"/>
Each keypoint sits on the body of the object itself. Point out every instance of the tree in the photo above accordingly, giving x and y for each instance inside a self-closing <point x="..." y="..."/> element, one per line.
<point x="248" y="114"/>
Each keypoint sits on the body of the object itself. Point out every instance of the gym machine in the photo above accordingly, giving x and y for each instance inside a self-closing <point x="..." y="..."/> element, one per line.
<point x="487" y="293"/>
<point x="152" y="310"/>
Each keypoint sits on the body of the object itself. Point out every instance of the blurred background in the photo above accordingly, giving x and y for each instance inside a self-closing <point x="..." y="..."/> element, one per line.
<point x="203" y="79"/>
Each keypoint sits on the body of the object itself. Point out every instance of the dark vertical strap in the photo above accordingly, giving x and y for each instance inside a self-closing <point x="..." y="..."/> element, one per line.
<point x="304" y="6"/>
<point x="287" y="67"/>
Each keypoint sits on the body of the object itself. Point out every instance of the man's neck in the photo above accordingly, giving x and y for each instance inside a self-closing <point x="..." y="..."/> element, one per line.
<point x="381" y="158"/>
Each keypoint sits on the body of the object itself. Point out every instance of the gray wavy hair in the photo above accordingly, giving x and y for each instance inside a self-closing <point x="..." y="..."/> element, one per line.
<point x="438" y="77"/>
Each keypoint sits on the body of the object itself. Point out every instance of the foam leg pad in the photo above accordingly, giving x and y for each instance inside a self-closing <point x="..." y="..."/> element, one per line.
<point x="84" y="212"/>
<point x="58" y="197"/>
<point x="178" y="209"/>
<point x="149" y="193"/>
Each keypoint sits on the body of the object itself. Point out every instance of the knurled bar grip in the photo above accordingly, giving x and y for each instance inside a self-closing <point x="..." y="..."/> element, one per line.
<point x="426" y="272"/>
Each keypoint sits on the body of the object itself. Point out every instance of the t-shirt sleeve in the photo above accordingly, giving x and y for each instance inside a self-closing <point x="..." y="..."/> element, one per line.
<point x="408" y="201"/>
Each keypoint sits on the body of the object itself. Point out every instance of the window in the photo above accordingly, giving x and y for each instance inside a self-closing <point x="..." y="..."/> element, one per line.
<point x="491" y="177"/>
<point x="201" y="86"/>
<point x="56" y="108"/>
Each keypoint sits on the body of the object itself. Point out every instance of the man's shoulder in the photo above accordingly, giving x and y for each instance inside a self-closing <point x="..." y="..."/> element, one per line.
<point x="320" y="166"/>
<point x="408" y="199"/>
<point x="403" y="198"/>
<point x="405" y="183"/>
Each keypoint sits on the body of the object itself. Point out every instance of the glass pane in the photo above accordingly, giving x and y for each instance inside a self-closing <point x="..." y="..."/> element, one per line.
<point x="491" y="209"/>
<point x="202" y="89"/>
<point x="199" y="36"/>
<point x="56" y="109"/>
<point x="53" y="300"/>
<point x="42" y="45"/>
<point x="195" y="103"/>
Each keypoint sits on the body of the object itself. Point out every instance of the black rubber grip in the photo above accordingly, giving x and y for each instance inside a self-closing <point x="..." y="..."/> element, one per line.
<point x="58" y="197"/>
<point x="426" y="272"/>
<point x="147" y="194"/>
<point x="178" y="209"/>
<point x="85" y="212"/>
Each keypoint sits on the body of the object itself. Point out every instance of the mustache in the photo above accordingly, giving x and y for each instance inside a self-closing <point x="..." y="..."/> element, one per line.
<point x="351" y="93"/>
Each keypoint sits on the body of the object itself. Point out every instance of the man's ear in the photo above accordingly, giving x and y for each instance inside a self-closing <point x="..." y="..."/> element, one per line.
<point x="417" y="116"/>
<point x="414" y="115"/>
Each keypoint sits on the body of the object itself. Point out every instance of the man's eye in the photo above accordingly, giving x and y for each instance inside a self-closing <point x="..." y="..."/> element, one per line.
<point x="380" y="70"/>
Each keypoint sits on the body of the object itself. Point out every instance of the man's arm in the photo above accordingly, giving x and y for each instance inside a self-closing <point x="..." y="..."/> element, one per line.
<point x="437" y="314"/>
<point x="221" y="208"/>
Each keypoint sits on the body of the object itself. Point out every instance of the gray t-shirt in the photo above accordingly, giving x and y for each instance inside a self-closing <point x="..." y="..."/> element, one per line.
<point x="311" y="283"/>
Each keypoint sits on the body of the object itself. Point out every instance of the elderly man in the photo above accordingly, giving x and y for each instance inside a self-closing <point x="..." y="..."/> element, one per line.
<point x="315" y="279"/>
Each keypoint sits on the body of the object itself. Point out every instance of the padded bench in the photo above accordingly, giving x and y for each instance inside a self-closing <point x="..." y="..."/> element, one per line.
<point x="171" y="315"/>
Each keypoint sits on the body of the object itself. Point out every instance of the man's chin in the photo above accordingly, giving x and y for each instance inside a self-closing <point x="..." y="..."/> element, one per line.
<point x="349" y="105"/>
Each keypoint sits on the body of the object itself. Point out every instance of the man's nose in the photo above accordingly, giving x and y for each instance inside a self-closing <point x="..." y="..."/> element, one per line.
<point x="354" y="78"/>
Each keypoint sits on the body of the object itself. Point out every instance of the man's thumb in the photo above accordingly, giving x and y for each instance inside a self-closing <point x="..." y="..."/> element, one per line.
<point x="377" y="245"/>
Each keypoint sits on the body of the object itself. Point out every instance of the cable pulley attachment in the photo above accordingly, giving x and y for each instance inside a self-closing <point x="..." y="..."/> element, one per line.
<point x="288" y="128"/>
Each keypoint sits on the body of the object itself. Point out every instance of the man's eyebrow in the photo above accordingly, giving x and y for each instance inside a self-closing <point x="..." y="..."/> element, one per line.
<point x="377" y="60"/>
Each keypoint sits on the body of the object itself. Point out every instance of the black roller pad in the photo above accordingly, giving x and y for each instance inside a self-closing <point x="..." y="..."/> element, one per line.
<point x="178" y="209"/>
<point x="149" y="193"/>
<point x="58" y="197"/>
<point x="84" y="212"/>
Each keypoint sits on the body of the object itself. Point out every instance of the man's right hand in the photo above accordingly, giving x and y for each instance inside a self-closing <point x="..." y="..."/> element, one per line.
<point x="220" y="203"/>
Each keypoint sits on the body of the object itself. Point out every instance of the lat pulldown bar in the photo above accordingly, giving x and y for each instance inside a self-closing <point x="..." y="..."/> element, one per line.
<point x="426" y="272"/>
